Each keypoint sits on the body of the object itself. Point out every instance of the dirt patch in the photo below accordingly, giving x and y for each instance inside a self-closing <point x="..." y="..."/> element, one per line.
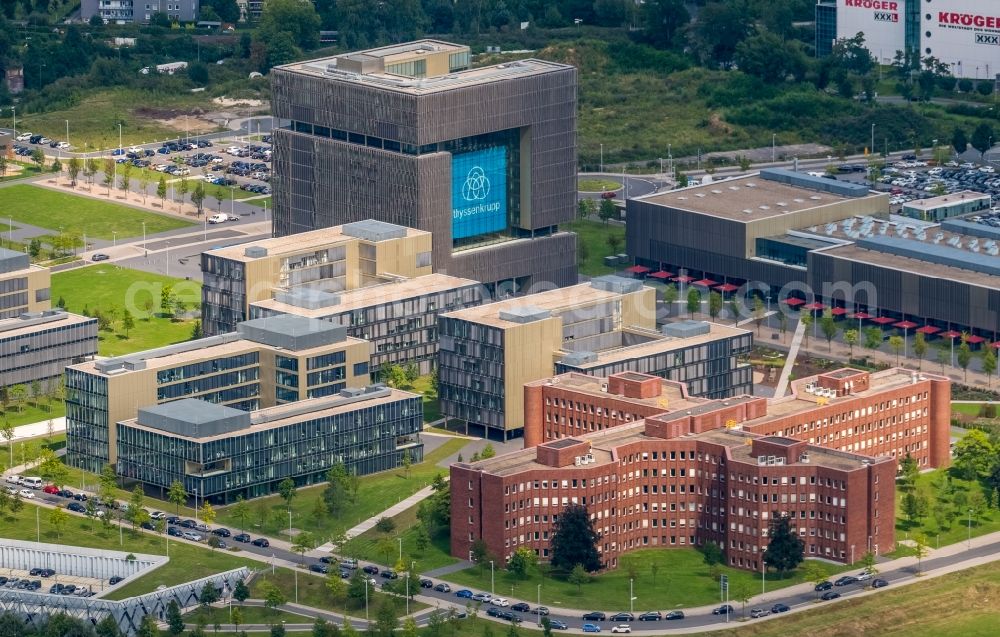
<point x="193" y="121"/>
<point x="228" y="102"/>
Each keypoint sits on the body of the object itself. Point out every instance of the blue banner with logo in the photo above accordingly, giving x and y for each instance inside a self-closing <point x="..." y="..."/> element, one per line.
<point x="478" y="192"/>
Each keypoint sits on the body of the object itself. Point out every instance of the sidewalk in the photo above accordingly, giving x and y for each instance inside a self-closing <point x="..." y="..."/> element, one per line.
<point x="39" y="429"/>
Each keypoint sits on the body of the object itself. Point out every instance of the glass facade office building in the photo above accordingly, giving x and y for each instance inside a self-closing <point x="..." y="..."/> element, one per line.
<point x="220" y="453"/>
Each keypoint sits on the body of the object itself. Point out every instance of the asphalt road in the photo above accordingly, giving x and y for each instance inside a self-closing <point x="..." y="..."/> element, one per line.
<point x="632" y="186"/>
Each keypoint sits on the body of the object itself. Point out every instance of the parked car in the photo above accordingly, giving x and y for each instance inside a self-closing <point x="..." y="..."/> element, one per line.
<point x="622" y="617"/>
<point x="500" y="601"/>
<point x="879" y="583"/>
<point x="371" y="569"/>
<point x="222" y="532"/>
<point x="349" y="562"/>
<point x="759" y="612"/>
<point x="541" y="611"/>
<point x="173" y="531"/>
<point x="442" y="588"/>
<point x="389" y="574"/>
<point x="780" y="608"/>
<point x="591" y="628"/>
<point x="493" y="611"/>
<point x="464" y="593"/>
<point x="864" y="576"/>
<point x="621" y="628"/>
<point x="51" y="489"/>
<point x="482" y="597"/>
<point x="188" y="524"/>
<point x="594" y="616"/>
<point x="823" y="586"/>
<point x="846" y="580"/>
<point x="173" y="519"/>
<point x="555" y="623"/>
<point x="426" y="583"/>
<point x="242" y="537"/>
<point x="827" y="596"/>
<point x="188" y="535"/>
<point x="651" y="616"/>
<point x="725" y="609"/>
<point x="608" y="194"/>
<point x="261" y="542"/>
<point x="28" y="495"/>
<point x="319" y="568"/>
<point x="674" y="614"/>
<point x="100" y="256"/>
<point x="520" y="607"/>
<point x="114" y="580"/>
<point x="76" y="507"/>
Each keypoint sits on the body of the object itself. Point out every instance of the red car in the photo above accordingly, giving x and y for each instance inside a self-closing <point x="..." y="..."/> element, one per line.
<point x="51" y="489"/>
<point x="608" y="194"/>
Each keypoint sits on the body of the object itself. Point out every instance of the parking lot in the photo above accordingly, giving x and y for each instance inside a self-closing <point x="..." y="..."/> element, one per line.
<point x="911" y="180"/>
<point x="43" y="580"/>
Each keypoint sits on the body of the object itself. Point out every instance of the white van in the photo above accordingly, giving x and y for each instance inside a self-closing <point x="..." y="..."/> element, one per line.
<point x="32" y="482"/>
<point x="13" y="478"/>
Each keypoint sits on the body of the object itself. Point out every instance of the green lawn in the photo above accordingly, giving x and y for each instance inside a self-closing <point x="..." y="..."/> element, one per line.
<point x="959" y="605"/>
<point x="30" y="412"/>
<point x="93" y="122"/>
<point x="594" y="235"/>
<point x="437" y="554"/>
<point x="947" y="519"/>
<point x="432" y="408"/>
<point x="681" y="580"/>
<point x="251" y="615"/>
<point x="969" y="409"/>
<point x="29" y="450"/>
<point x="594" y="184"/>
<point x="375" y="493"/>
<point x="93" y="217"/>
<point x="108" y="287"/>
<point x="260" y="202"/>
<point x="186" y="562"/>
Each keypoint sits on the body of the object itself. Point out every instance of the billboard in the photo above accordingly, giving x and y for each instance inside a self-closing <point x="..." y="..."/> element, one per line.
<point x="965" y="34"/>
<point x="882" y="21"/>
<point x="478" y="192"/>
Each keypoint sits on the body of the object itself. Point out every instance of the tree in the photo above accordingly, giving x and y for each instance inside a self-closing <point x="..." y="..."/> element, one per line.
<point x="814" y="572"/>
<point x="241" y="592"/>
<point x="758" y="312"/>
<point x="896" y="343"/>
<point x="975" y="455"/>
<point x="177" y="495"/>
<point x="196" y="330"/>
<point x="108" y="485"/>
<point x="711" y="554"/>
<point x="385" y="525"/>
<point x="273" y="597"/>
<point x="785" y="549"/>
<point x="714" y="305"/>
<point x="167" y="300"/>
<point x="296" y="19"/>
<point x="607" y="210"/>
<point x="770" y="58"/>
<point x="851" y="338"/>
<point x="161" y="190"/>
<point x="742" y="592"/>
<point x="175" y="623"/>
<point x="209" y="594"/>
<point x="393" y="375"/>
<point x="908" y="472"/>
<point x="829" y="327"/>
<point x="107" y="627"/>
<point x="144" y="184"/>
<point x="487" y="452"/>
<point x="982" y="138"/>
<point x="670" y="296"/>
<point x="385" y="547"/>
<point x="585" y="208"/>
<point x="959" y="141"/>
<point x="338" y="490"/>
<point x="126" y="176"/>
<point x="335" y="584"/>
<point x="278" y="630"/>
<point x="109" y="174"/>
<point x="52" y="468"/>
<point x="574" y="540"/>
<point x="921" y="549"/>
<point x="73" y="167"/>
<point x="90" y="168"/>
<point x="873" y="338"/>
<point x="58" y="519"/>
<point x="18" y="394"/>
<point x="198" y="196"/>
<point x="386" y="621"/>
<point x="964" y="357"/>
<point x="920" y="348"/>
<point x="182" y="188"/>
<point x="286" y="488"/>
<point x="237" y="617"/>
<point x="693" y="301"/>
<point x="989" y="364"/>
<point x="128" y="321"/>
<point x="521" y="562"/>
<point x="147" y="627"/>
<point x="868" y="561"/>
<point x="303" y="543"/>
<point x="38" y="156"/>
<point x="421" y="538"/>
<point x="914" y="506"/>
<point x="207" y="513"/>
<point x="614" y="242"/>
<point x="578" y="576"/>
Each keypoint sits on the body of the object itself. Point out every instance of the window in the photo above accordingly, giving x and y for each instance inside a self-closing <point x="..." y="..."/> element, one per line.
<point x="360" y="369"/>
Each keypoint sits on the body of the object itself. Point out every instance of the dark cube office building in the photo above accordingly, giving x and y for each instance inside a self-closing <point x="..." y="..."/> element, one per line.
<point x="483" y="158"/>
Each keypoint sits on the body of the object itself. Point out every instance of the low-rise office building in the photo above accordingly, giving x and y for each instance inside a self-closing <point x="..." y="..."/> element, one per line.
<point x="487" y="353"/>
<point x="786" y="233"/>
<point x="37" y="347"/>
<point x="698" y="470"/>
<point x="219" y="453"/>
<point x="321" y="264"/>
<point x="947" y="206"/>
<point x="265" y="362"/>
<point x="399" y="317"/>
<point x="23" y="287"/>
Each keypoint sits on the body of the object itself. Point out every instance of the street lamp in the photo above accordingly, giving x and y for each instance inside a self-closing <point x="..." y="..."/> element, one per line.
<point x="493" y="592"/>
<point x="539" y="602"/>
<point x="400" y="539"/>
<point x="407" y="592"/>
<point x="13" y="110"/>
<point x="774" y="156"/>
<point x="852" y="554"/>
<point x="968" y="544"/>
<point x="763" y="571"/>
<point x="602" y="158"/>
<point x="143" y="237"/>
<point x="366" y="599"/>
<point x="871" y="148"/>
<point x="289" y="523"/>
<point x="631" y="596"/>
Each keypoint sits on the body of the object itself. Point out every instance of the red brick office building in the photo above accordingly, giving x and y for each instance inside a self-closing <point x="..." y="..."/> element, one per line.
<point x="656" y="467"/>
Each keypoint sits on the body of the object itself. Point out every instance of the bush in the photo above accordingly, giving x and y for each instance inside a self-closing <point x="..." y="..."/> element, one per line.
<point x="988" y="410"/>
<point x="985" y="88"/>
<point x="965" y="85"/>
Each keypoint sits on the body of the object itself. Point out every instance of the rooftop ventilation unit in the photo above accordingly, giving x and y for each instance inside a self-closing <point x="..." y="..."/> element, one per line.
<point x="699" y="194"/>
<point x="922" y="235"/>
<point x="799" y="200"/>
<point x="715" y="191"/>
<point x="762" y="207"/>
<point x="781" y="204"/>
<point x="751" y="184"/>
<point x="804" y="458"/>
<point x="682" y="198"/>
<point x="748" y="211"/>
<point x="734" y="187"/>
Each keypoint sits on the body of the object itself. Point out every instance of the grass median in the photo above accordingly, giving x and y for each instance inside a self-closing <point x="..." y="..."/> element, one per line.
<point x="96" y="218"/>
<point x="593" y="236"/>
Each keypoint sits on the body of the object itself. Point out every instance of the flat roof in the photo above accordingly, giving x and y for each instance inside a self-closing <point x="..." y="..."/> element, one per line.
<point x="853" y="252"/>
<point x="326" y="68"/>
<point x="660" y="343"/>
<point x="15" y="327"/>
<point x="672" y="396"/>
<point x="747" y="198"/>
<point x="961" y="196"/>
<point x="425" y="45"/>
<point x="295" y="243"/>
<point x="566" y="298"/>
<point x="291" y="413"/>
<point x="378" y="294"/>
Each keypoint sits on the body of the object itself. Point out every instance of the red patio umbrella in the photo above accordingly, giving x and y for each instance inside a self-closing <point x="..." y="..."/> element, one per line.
<point x="996" y="345"/>
<point x="861" y="315"/>
<point x="793" y="301"/>
<point x="883" y="320"/>
<point x="950" y="334"/>
<point x="682" y="278"/>
<point x="637" y="269"/>
<point x="906" y="325"/>
<point x="929" y="329"/>
<point x="662" y="274"/>
<point x="974" y="340"/>
<point x="815" y="305"/>
<point x="727" y="287"/>
<point x="705" y="283"/>
<point x="838" y="311"/>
